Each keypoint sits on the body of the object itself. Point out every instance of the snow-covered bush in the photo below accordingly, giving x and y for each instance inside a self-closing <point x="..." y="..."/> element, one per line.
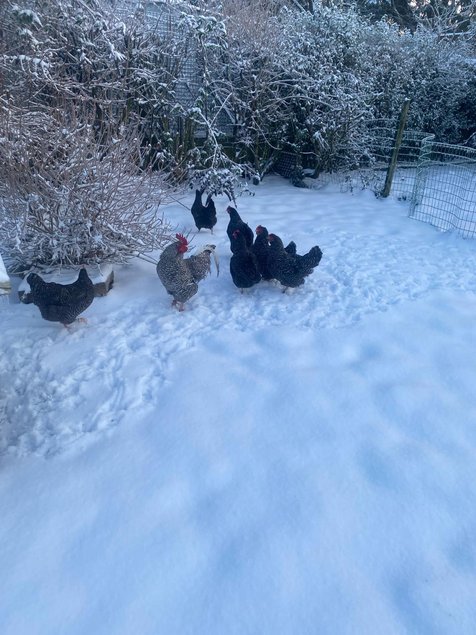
<point x="69" y="199"/>
<point x="433" y="72"/>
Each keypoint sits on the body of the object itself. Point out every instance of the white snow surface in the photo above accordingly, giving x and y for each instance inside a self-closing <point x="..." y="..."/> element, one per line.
<point x="5" y="284"/>
<point x="260" y="464"/>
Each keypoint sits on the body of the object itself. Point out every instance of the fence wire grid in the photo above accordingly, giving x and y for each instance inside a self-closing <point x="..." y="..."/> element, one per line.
<point x="437" y="179"/>
<point x="444" y="193"/>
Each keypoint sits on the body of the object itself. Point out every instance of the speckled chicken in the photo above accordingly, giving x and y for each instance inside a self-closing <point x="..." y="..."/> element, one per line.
<point x="244" y="267"/>
<point x="61" y="302"/>
<point x="236" y="222"/>
<point x="180" y="276"/>
<point x="291" y="270"/>
<point x="205" y="216"/>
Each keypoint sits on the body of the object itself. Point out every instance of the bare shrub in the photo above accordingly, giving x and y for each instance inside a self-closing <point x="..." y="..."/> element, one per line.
<point x="70" y="199"/>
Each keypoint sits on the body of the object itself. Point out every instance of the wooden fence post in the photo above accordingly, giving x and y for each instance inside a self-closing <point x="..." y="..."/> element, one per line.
<point x="396" y="147"/>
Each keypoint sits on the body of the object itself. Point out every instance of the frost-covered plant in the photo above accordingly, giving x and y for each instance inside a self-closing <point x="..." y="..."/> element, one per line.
<point x="69" y="199"/>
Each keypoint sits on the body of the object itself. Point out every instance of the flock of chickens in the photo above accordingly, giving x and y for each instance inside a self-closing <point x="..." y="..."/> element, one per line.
<point x="253" y="259"/>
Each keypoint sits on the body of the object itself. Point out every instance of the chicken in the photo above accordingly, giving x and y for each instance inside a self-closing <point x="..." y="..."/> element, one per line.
<point x="204" y="215"/>
<point x="290" y="269"/>
<point x="244" y="267"/>
<point x="61" y="302"/>
<point x="261" y="249"/>
<point x="180" y="276"/>
<point x="237" y="223"/>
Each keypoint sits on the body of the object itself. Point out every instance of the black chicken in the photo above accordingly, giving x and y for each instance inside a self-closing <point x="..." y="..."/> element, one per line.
<point x="290" y="269"/>
<point x="204" y="215"/>
<point x="243" y="263"/>
<point x="61" y="302"/>
<point x="237" y="223"/>
<point x="261" y="249"/>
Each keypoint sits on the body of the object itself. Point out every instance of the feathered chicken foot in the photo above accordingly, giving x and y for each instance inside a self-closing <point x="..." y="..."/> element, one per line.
<point x="179" y="305"/>
<point x="82" y="320"/>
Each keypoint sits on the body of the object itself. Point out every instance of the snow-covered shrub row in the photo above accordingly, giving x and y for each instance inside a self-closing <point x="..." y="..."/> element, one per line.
<point x="311" y="81"/>
<point x="208" y="91"/>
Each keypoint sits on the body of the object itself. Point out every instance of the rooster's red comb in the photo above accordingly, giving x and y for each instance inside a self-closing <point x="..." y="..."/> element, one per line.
<point x="181" y="238"/>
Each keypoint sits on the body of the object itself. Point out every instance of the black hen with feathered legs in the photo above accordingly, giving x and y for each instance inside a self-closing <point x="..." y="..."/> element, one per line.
<point x="61" y="303"/>
<point x="243" y="263"/>
<point x="205" y="216"/>
<point x="291" y="270"/>
<point x="261" y="249"/>
<point x="236" y="222"/>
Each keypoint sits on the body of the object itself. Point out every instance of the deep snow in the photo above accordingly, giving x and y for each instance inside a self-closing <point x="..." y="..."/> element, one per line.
<point x="261" y="463"/>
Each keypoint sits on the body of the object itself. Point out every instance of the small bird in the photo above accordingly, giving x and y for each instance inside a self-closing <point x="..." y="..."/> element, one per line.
<point x="244" y="267"/>
<point x="204" y="215"/>
<point x="180" y="276"/>
<point x="237" y="223"/>
<point x="290" y="270"/>
<point x="62" y="302"/>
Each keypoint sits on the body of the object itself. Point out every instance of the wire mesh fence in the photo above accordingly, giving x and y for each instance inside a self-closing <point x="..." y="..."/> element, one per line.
<point x="438" y="180"/>
<point x="379" y="143"/>
<point x="444" y="194"/>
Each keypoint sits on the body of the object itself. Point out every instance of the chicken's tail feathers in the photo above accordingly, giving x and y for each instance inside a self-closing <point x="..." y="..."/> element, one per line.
<point x="313" y="256"/>
<point x="211" y="249"/>
<point x="291" y="248"/>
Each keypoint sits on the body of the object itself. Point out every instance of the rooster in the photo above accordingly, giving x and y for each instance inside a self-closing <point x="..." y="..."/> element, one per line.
<point x="290" y="269"/>
<point x="244" y="267"/>
<point x="62" y="302"/>
<point x="180" y="276"/>
<point x="237" y="223"/>
<point x="204" y="215"/>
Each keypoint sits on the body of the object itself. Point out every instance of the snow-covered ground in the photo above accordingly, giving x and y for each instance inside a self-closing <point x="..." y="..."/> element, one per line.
<point x="260" y="464"/>
<point x="5" y="284"/>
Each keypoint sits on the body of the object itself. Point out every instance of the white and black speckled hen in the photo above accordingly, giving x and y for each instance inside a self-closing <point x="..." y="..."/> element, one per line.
<point x="61" y="302"/>
<point x="289" y="269"/>
<point x="205" y="216"/>
<point x="180" y="276"/>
